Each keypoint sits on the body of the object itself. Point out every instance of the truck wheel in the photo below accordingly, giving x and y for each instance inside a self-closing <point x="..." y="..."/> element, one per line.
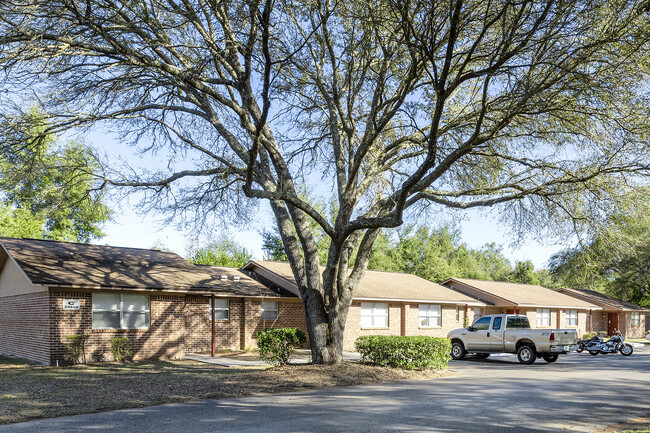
<point x="458" y="350"/>
<point x="550" y="358"/>
<point x="626" y="349"/>
<point x="526" y="354"/>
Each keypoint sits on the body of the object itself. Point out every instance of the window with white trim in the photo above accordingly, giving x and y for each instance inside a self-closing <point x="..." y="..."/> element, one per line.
<point x="120" y="311"/>
<point x="221" y="309"/>
<point x="269" y="310"/>
<point x="430" y="315"/>
<point x="374" y="315"/>
<point x="478" y="312"/>
<point x="635" y="319"/>
<point x="543" y="317"/>
<point x="571" y="317"/>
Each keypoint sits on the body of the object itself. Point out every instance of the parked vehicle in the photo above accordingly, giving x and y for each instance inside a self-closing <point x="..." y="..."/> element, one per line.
<point x="583" y="343"/>
<point x="615" y="344"/>
<point x="511" y="333"/>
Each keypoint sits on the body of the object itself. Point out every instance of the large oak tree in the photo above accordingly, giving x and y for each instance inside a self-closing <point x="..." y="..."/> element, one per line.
<point x="539" y="107"/>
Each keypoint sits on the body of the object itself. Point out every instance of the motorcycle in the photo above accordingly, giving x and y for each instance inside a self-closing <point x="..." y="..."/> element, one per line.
<point x="613" y="345"/>
<point x="583" y="343"/>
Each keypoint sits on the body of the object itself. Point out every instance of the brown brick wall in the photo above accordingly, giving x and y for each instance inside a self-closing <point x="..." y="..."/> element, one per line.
<point x="164" y="339"/>
<point x="290" y="314"/>
<point x="24" y="326"/>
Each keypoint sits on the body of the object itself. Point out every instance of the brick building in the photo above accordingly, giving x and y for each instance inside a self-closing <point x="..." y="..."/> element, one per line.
<point x="159" y="300"/>
<point x="388" y="303"/>
<point x="627" y="317"/>
<point x="544" y="307"/>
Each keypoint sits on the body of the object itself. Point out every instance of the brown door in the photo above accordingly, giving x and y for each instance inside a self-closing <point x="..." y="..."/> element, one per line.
<point x="612" y="323"/>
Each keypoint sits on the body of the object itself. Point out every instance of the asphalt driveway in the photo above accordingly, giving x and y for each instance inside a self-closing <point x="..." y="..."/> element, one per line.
<point x="578" y="393"/>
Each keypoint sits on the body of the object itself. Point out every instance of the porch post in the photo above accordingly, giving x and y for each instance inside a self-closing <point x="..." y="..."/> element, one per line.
<point x="213" y="322"/>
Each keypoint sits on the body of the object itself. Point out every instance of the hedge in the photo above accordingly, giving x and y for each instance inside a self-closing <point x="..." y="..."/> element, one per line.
<point x="277" y="344"/>
<point x="405" y="351"/>
<point x="122" y="349"/>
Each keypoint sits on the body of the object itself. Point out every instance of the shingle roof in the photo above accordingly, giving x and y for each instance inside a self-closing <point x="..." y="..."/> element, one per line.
<point x="607" y="302"/>
<point x="383" y="285"/>
<point x="83" y="265"/>
<point x="525" y="294"/>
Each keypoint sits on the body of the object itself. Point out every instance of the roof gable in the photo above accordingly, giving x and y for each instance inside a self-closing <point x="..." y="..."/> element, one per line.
<point x="378" y="285"/>
<point x="605" y="301"/>
<point x="54" y="263"/>
<point x="523" y="295"/>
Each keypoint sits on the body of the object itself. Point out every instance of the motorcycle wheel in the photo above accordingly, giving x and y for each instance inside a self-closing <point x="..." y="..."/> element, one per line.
<point x="594" y="352"/>
<point x="579" y="349"/>
<point x="626" y="349"/>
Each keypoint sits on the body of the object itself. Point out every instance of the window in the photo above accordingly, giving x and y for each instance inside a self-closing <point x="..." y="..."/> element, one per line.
<point x="430" y="315"/>
<point x="571" y="317"/>
<point x="496" y="323"/>
<point x="269" y="310"/>
<point x="374" y="315"/>
<point x="518" y="322"/>
<point x="222" y="309"/>
<point x="635" y="319"/>
<point x="482" y="324"/>
<point x="457" y="314"/>
<point x="478" y="312"/>
<point x="543" y="317"/>
<point x="120" y="311"/>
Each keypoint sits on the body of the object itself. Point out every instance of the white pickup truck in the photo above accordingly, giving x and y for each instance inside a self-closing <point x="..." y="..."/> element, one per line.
<point x="510" y="333"/>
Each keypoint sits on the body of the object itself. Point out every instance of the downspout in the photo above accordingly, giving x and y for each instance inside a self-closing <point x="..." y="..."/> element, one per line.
<point x="213" y="322"/>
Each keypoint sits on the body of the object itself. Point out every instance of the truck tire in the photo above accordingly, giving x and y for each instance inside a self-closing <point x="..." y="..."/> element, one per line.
<point x="550" y="357"/>
<point x="458" y="350"/>
<point x="526" y="354"/>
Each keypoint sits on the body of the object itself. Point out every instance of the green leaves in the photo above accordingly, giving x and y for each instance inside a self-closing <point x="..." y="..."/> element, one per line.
<point x="276" y="345"/>
<point x="223" y="252"/>
<point x="48" y="189"/>
<point x="405" y="352"/>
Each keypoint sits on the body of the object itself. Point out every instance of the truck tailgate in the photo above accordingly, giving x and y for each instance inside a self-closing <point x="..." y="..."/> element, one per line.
<point x="565" y="336"/>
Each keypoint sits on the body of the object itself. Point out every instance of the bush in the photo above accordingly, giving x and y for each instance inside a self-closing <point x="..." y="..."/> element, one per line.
<point x="276" y="345"/>
<point x="405" y="352"/>
<point x="122" y="350"/>
<point x="75" y="348"/>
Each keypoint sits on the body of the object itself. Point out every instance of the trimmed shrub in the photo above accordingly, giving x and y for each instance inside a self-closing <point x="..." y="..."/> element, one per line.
<point x="276" y="345"/>
<point x="122" y="350"/>
<point x="409" y="353"/>
<point x="75" y="348"/>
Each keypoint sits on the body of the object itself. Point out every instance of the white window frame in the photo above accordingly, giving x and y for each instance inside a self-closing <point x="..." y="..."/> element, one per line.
<point x="373" y="311"/>
<point x="571" y="318"/>
<point x="430" y="316"/>
<point x="478" y="313"/>
<point x="271" y="306"/>
<point x="635" y="318"/>
<point x="543" y="317"/>
<point x="218" y="308"/>
<point x="122" y="311"/>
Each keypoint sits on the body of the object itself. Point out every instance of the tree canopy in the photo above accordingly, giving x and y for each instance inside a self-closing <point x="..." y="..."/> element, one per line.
<point x="537" y="107"/>
<point x="221" y="252"/>
<point x="46" y="189"/>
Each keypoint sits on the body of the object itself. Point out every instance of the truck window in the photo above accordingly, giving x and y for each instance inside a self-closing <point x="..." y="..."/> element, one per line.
<point x="482" y="324"/>
<point x="518" y="322"/>
<point x="496" y="324"/>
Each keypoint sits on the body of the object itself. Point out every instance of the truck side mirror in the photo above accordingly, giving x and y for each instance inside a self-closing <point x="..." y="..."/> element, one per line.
<point x="470" y="329"/>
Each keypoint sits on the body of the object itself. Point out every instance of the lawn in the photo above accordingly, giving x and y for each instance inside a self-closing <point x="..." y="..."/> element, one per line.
<point x="29" y="391"/>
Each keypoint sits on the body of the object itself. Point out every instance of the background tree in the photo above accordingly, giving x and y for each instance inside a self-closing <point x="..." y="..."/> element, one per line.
<point x="537" y="107"/>
<point x="49" y="189"/>
<point x="222" y="252"/>
<point x="524" y="272"/>
<point x="615" y="260"/>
